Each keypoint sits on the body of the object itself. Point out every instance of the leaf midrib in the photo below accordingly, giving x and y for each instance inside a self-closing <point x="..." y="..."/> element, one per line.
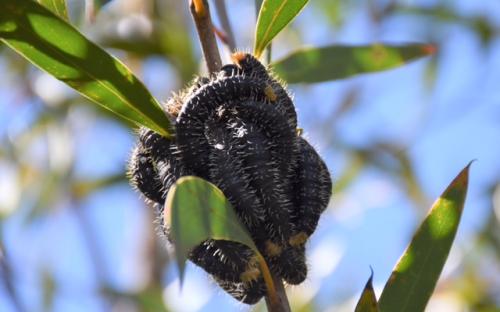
<point x="54" y="3"/>
<point x="275" y="16"/>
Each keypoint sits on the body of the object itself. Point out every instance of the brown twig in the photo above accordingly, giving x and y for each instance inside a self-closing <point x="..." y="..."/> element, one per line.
<point x="268" y="52"/>
<point x="220" y="7"/>
<point x="201" y="16"/>
<point x="282" y="305"/>
<point x="276" y="299"/>
<point x="90" y="12"/>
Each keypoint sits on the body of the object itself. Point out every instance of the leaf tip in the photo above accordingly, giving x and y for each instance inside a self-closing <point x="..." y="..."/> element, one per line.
<point x="199" y="8"/>
<point x="470" y="163"/>
<point x="461" y="181"/>
<point x="429" y="49"/>
<point x="371" y="274"/>
<point x="368" y="300"/>
<point x="463" y="176"/>
<point x="181" y="267"/>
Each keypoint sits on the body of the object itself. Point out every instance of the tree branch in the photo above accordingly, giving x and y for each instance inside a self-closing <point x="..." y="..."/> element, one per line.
<point x="282" y="305"/>
<point x="220" y="7"/>
<point x="204" y="26"/>
<point x="205" y="29"/>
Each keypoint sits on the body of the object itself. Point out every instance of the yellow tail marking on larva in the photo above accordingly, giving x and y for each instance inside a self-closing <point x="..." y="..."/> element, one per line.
<point x="298" y="239"/>
<point x="272" y="249"/>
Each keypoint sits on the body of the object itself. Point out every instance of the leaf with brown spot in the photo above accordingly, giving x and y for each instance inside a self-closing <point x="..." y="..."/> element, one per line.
<point x="335" y="62"/>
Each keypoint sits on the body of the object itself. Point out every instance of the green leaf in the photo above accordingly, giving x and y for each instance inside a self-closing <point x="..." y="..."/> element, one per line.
<point x="58" y="7"/>
<point x="151" y="299"/>
<point x="258" y="5"/>
<point x="337" y="62"/>
<point x="414" y="278"/>
<point x="196" y="210"/>
<point x="56" y="47"/>
<point x="368" y="301"/>
<point x="274" y="15"/>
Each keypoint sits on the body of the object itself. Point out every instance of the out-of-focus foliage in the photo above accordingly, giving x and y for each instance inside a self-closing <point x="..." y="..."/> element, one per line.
<point x="339" y="62"/>
<point x="35" y="33"/>
<point x="73" y="234"/>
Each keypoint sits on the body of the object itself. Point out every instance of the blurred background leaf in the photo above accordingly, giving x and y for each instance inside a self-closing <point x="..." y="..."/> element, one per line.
<point x="339" y="62"/>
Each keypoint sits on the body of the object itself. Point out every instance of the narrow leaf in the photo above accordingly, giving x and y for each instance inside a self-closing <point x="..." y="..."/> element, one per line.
<point x="196" y="210"/>
<point x="58" y="7"/>
<point x="82" y="188"/>
<point x="338" y="61"/>
<point x="414" y="278"/>
<point x="368" y="301"/>
<point x="56" y="47"/>
<point x="274" y="15"/>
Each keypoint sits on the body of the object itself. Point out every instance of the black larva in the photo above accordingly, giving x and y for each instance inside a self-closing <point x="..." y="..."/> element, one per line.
<point x="238" y="130"/>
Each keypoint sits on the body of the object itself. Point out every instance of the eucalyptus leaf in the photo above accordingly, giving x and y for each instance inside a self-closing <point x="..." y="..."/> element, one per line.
<point x="414" y="278"/>
<point x="274" y="15"/>
<point x="368" y="300"/>
<point x="195" y="211"/>
<point x="59" y="49"/>
<point x="58" y="7"/>
<point x="311" y="65"/>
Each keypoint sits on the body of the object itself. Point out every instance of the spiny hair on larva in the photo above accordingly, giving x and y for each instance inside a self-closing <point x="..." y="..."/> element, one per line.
<point x="238" y="130"/>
